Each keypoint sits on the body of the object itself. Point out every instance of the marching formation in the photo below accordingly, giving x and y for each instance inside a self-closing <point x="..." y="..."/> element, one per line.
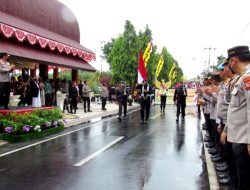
<point x="225" y="100"/>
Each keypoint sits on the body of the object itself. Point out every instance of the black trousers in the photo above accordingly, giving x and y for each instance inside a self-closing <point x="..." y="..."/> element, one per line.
<point x="181" y="108"/>
<point x="4" y="94"/>
<point x="163" y="102"/>
<point x="242" y="161"/>
<point x="104" y="100"/>
<point x="48" y="99"/>
<point x="233" y="184"/>
<point x="145" y="106"/>
<point x="86" y="103"/>
<point x="208" y="124"/>
<point x="199" y="111"/>
<point x="73" y="104"/>
<point x="22" y="100"/>
<point x="122" y="104"/>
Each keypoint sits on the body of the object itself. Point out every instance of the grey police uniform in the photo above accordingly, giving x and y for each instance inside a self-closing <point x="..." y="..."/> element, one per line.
<point x="239" y="112"/>
<point x="222" y="104"/>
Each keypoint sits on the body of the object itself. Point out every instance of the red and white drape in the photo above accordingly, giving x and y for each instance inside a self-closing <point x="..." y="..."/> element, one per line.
<point x="21" y="35"/>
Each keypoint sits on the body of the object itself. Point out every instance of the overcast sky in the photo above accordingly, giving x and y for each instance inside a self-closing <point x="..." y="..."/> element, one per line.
<point x="184" y="27"/>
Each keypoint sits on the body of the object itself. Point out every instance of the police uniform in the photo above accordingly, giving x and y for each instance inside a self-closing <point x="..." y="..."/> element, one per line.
<point x="145" y="91"/>
<point x="180" y="95"/>
<point x="238" y="125"/>
<point x="122" y="98"/>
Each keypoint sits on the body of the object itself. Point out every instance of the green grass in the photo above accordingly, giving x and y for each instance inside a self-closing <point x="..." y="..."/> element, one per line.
<point x="30" y="136"/>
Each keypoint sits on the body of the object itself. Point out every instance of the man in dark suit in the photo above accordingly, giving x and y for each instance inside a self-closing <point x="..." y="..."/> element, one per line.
<point x="122" y="99"/>
<point x="145" y="91"/>
<point x="180" y="95"/>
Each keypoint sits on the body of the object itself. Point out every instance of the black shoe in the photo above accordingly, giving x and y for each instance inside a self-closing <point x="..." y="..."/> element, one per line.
<point x="119" y="118"/>
<point x="221" y="164"/>
<point x="216" y="155"/>
<point x="212" y="151"/>
<point x="224" y="180"/>
<point x="164" y="111"/>
<point x="204" y="128"/>
<point x="142" y="121"/>
<point x="207" y="139"/>
<point x="222" y="168"/>
<point x="146" y="122"/>
<point x="207" y="135"/>
<point x="89" y="111"/>
<point x="209" y="145"/>
<point x="225" y="175"/>
<point x="125" y="118"/>
<point x="85" y="111"/>
<point x="216" y="159"/>
<point x="177" y="120"/>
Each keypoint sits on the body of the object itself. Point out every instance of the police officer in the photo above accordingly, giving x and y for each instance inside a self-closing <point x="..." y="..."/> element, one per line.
<point x="122" y="94"/>
<point x="222" y="107"/>
<point x="180" y="95"/>
<point x="238" y="119"/>
<point x="145" y="91"/>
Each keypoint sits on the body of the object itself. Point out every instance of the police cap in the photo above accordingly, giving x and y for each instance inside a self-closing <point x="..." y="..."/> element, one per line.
<point x="238" y="51"/>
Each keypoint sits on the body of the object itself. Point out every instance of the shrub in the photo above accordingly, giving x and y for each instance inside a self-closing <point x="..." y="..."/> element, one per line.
<point x="36" y="121"/>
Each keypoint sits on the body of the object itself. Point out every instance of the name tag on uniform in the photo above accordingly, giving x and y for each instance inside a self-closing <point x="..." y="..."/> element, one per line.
<point x="235" y="90"/>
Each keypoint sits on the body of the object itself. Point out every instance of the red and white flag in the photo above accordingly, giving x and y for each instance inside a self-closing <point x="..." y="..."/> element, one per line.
<point x="142" y="72"/>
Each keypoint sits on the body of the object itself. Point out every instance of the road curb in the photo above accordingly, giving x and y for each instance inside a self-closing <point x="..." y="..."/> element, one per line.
<point x="212" y="177"/>
<point x="88" y="119"/>
<point x="102" y="116"/>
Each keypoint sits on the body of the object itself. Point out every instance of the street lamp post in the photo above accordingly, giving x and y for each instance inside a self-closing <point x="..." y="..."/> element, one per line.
<point x="209" y="54"/>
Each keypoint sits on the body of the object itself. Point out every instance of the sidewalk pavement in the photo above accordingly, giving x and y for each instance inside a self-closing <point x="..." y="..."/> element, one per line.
<point x="97" y="112"/>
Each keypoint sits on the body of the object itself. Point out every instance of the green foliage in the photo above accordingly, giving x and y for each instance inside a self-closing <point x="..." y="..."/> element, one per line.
<point x="220" y="59"/>
<point x="37" y="117"/>
<point x="122" y="55"/>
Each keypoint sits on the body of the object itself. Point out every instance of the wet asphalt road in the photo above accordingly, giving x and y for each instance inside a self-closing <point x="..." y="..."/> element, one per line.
<point x="158" y="156"/>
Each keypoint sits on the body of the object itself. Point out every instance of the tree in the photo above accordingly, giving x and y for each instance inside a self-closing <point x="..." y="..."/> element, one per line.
<point x="220" y="59"/>
<point x="122" y="54"/>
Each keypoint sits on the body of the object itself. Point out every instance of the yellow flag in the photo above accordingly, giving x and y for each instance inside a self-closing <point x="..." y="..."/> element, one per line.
<point x="147" y="52"/>
<point x="159" y="66"/>
<point x="172" y="74"/>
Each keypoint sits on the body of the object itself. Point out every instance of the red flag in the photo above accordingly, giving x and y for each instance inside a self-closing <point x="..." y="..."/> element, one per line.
<point x="142" y="72"/>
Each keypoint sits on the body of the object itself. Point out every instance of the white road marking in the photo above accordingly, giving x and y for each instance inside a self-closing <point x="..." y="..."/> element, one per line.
<point x="90" y="157"/>
<point x="43" y="141"/>
<point x="154" y="117"/>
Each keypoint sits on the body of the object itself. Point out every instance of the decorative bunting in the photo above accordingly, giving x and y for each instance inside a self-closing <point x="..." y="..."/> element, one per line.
<point x="21" y="36"/>
<point x="80" y="53"/>
<point x="74" y="51"/>
<point x="7" y="31"/>
<point x="32" y="39"/>
<point x="52" y="45"/>
<point x="42" y="42"/>
<point x="67" y="49"/>
<point x="60" y="47"/>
